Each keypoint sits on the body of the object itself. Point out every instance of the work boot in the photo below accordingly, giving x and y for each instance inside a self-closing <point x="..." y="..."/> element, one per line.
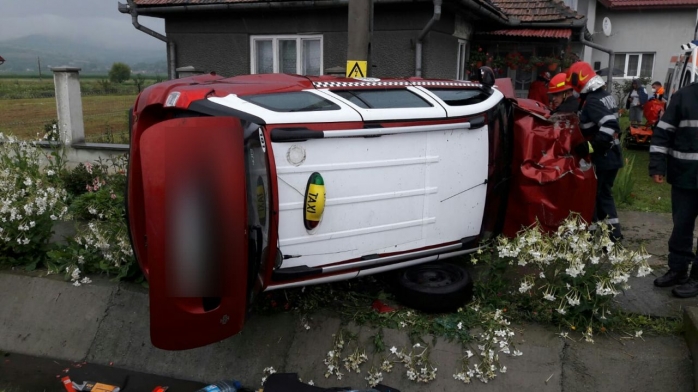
<point x="672" y="278"/>
<point x="688" y="289"/>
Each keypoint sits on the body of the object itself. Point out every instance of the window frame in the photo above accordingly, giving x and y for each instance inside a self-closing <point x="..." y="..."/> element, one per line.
<point x="299" y="38"/>
<point x="462" y="56"/>
<point x="639" y="63"/>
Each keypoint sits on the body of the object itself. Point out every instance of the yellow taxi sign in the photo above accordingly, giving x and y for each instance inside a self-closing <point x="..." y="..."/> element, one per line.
<point x="357" y="69"/>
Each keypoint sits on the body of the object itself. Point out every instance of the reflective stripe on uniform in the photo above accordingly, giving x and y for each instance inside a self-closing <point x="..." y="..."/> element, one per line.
<point x="612" y="221"/>
<point x="666" y="126"/>
<point x="607" y="130"/>
<point x="605" y="119"/>
<point x="661" y="150"/>
<point x="587" y="125"/>
<point x="688" y="156"/>
<point x="616" y="142"/>
<point x="688" y="123"/>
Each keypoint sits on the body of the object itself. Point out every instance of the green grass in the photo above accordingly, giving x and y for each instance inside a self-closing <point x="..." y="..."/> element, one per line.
<point x="25" y="118"/>
<point x="646" y="196"/>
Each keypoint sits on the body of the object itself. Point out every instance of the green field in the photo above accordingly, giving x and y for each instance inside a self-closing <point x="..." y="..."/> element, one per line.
<point x="27" y="105"/>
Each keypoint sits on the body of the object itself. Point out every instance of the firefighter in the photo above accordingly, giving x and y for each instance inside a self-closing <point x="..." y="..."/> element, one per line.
<point x="598" y="121"/>
<point x="539" y="88"/>
<point x="562" y="100"/>
<point x="674" y="153"/>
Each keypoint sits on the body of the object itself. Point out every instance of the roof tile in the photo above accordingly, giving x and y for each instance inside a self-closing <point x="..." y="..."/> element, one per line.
<point x="637" y="4"/>
<point x="537" y="10"/>
<point x="538" y="33"/>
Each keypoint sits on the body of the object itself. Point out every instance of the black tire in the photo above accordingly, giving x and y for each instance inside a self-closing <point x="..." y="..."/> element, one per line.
<point x="434" y="287"/>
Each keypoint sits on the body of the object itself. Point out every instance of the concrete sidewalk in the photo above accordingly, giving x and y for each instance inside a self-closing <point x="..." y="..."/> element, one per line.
<point x="106" y="323"/>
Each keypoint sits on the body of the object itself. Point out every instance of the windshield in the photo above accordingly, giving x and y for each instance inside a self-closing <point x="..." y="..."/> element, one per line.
<point x="258" y="200"/>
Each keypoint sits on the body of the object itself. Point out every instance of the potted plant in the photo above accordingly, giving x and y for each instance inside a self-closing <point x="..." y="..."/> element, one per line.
<point x="514" y="59"/>
<point x="552" y="62"/>
<point x="477" y="57"/>
<point x="498" y="64"/>
<point x="537" y="61"/>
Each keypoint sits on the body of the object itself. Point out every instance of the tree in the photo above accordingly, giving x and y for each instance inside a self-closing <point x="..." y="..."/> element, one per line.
<point x="139" y="81"/>
<point x="119" y="73"/>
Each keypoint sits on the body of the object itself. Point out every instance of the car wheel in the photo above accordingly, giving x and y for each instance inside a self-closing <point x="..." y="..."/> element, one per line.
<point x="434" y="287"/>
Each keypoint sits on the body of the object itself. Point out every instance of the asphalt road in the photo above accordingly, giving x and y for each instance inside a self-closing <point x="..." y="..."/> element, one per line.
<point x="22" y="373"/>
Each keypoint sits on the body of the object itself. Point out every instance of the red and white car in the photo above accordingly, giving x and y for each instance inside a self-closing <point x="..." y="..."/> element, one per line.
<point x="262" y="182"/>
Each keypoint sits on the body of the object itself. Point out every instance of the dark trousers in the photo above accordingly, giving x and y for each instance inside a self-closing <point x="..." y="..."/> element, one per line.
<point x="684" y="211"/>
<point x="605" y="210"/>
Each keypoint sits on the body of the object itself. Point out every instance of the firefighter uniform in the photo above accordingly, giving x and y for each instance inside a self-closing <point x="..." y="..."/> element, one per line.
<point x="599" y="124"/>
<point x="674" y="153"/>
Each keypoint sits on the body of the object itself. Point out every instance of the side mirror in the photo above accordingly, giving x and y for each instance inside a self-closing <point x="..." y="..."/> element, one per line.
<point x="486" y="77"/>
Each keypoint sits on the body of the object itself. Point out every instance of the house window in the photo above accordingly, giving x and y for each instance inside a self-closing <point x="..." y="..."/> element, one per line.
<point x="291" y="54"/>
<point x="462" y="61"/>
<point x="571" y="3"/>
<point x="635" y="65"/>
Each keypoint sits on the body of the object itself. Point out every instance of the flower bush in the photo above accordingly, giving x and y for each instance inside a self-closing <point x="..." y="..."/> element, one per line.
<point x="31" y="199"/>
<point x="102" y="244"/>
<point x="570" y="277"/>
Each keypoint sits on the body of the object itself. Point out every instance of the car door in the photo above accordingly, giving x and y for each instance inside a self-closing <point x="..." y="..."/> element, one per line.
<point x="204" y="233"/>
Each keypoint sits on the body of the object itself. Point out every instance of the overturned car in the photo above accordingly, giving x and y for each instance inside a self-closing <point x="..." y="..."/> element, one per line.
<point x="262" y="182"/>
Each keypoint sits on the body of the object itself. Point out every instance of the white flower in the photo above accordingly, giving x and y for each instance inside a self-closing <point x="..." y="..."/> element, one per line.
<point x="460" y="325"/>
<point x="517" y="353"/>
<point x="76" y="284"/>
<point x="469" y="353"/>
<point x="549" y="297"/>
<point x="525" y="287"/>
<point x="86" y="280"/>
<point x="50" y="173"/>
<point x="638" y="334"/>
<point x="541" y="275"/>
<point x="594" y="260"/>
<point x="561" y="310"/>
<point x="28" y="181"/>
<point x="311" y="383"/>
<point x="503" y="369"/>
<point x="393" y="350"/>
<point x="643" y="271"/>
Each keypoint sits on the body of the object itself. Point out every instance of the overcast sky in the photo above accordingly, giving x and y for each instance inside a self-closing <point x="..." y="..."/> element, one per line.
<point x="91" y="20"/>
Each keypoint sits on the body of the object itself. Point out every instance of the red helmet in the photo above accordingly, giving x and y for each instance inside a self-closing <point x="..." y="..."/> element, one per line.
<point x="558" y="84"/>
<point x="579" y="74"/>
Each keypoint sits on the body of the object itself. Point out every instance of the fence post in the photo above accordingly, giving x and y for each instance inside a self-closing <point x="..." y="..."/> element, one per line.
<point x="69" y="104"/>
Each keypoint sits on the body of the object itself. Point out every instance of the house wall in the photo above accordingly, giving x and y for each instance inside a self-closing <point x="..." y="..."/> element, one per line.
<point x="658" y="31"/>
<point x="220" y="42"/>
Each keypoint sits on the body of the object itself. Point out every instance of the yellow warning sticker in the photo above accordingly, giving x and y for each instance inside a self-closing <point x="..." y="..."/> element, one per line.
<point x="356" y="69"/>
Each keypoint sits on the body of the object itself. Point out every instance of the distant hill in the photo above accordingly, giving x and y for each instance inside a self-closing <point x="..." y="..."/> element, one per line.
<point x="21" y="56"/>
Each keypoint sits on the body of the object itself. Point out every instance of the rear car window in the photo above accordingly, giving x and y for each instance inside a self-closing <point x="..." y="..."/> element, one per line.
<point x="291" y="102"/>
<point x="453" y="97"/>
<point x="383" y="99"/>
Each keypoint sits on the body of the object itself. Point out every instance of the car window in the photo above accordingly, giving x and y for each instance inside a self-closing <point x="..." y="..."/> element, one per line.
<point x="453" y="97"/>
<point x="291" y="102"/>
<point x="384" y="99"/>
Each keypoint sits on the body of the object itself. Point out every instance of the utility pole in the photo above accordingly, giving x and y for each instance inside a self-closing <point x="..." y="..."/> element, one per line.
<point x="360" y="26"/>
<point x="39" y="60"/>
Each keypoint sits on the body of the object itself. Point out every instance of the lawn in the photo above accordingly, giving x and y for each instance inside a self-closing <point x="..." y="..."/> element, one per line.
<point x="646" y="195"/>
